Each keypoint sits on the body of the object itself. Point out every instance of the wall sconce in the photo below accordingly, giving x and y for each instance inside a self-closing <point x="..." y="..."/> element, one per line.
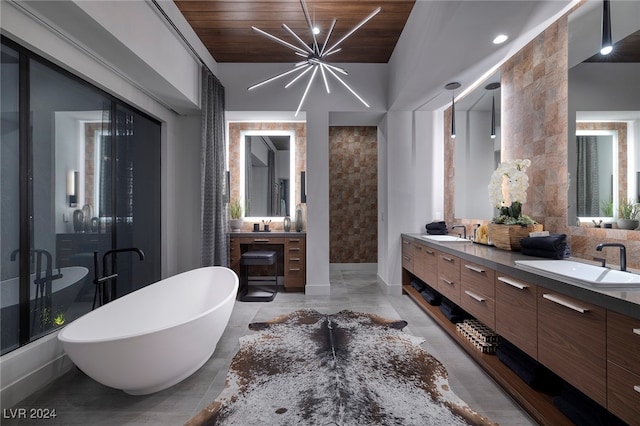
<point x="453" y="86"/>
<point x="606" y="46"/>
<point x="493" y="86"/>
<point x="303" y="187"/>
<point x="73" y="177"/>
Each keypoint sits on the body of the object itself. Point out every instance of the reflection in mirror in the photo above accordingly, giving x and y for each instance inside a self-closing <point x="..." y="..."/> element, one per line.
<point x="604" y="98"/>
<point x="267" y="183"/>
<point x="596" y="188"/>
<point x="477" y="154"/>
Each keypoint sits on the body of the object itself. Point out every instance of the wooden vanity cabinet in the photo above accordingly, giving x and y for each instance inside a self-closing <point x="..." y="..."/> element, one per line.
<point x="477" y="292"/>
<point x="407" y="255"/>
<point x="425" y="264"/>
<point x="572" y="342"/>
<point x="295" y="258"/>
<point x="449" y="276"/>
<point x="623" y="366"/>
<point x="517" y="312"/>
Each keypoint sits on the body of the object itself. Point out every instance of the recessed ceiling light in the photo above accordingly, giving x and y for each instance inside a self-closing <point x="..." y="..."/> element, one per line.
<point x="500" y="39"/>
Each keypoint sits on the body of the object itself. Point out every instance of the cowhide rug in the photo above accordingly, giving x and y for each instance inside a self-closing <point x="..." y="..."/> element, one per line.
<point x="308" y="368"/>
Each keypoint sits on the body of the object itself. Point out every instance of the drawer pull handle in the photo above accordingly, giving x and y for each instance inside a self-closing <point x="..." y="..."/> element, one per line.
<point x="636" y="388"/>
<point x="260" y="240"/>
<point x="294" y="248"/>
<point x="474" y="296"/>
<point x="294" y="269"/>
<point x="448" y="259"/>
<point x="431" y="252"/>
<point x="407" y="258"/>
<point x="294" y="259"/>
<point x="446" y="281"/>
<point x="406" y="242"/>
<point x="475" y="269"/>
<point x="294" y="240"/>
<point x="564" y="303"/>
<point x="636" y="331"/>
<point x="513" y="283"/>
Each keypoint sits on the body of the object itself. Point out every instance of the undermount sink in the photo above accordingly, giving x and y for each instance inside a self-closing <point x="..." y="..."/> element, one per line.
<point x="445" y="238"/>
<point x="580" y="273"/>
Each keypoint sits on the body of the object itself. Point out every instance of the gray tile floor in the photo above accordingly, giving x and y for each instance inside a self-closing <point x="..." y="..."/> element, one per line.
<point x="78" y="400"/>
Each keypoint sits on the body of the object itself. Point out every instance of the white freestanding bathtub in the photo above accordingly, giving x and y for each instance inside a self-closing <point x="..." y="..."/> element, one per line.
<point x="155" y="337"/>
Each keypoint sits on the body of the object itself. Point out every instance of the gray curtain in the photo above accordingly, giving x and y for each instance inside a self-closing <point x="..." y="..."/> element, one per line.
<point x="587" y="179"/>
<point x="215" y="248"/>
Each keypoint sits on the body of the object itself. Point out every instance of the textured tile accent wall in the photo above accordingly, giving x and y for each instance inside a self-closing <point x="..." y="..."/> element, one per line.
<point x="534" y="126"/>
<point x="353" y="194"/>
<point x="234" y="158"/>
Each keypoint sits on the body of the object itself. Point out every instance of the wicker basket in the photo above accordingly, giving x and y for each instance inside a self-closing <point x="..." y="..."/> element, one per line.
<point x="507" y="237"/>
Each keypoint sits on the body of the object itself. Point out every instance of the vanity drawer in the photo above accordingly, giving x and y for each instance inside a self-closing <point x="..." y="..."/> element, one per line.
<point x="425" y="265"/>
<point x="572" y="342"/>
<point x="449" y="277"/>
<point x="478" y="305"/>
<point x="234" y="255"/>
<point x="478" y="279"/>
<point x="623" y="393"/>
<point x="407" y="255"/>
<point x="517" y="299"/>
<point x="623" y="341"/>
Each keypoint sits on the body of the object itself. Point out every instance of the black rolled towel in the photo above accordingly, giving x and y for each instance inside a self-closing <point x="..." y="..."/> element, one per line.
<point x="562" y="252"/>
<point x="436" y="225"/>
<point x="551" y="243"/>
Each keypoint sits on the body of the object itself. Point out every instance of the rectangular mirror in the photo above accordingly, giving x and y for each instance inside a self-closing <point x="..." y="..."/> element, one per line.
<point x="267" y="173"/>
<point x="604" y="101"/>
<point x="477" y="150"/>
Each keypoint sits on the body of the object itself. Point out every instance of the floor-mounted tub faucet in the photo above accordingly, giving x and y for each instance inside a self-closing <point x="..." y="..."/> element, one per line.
<point x="101" y="292"/>
<point x="623" y="253"/>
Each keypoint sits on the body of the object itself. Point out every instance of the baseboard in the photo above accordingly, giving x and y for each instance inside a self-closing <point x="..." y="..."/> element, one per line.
<point x="373" y="267"/>
<point x="31" y="367"/>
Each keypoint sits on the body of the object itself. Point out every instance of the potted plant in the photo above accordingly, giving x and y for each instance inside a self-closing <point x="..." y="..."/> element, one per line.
<point x="235" y="213"/>
<point x="628" y="214"/>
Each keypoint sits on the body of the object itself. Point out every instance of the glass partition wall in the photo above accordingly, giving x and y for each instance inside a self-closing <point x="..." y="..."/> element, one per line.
<point x="80" y="173"/>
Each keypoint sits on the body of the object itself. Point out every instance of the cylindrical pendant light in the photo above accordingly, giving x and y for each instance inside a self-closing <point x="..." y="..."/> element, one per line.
<point x="493" y="86"/>
<point x="453" y="86"/>
<point x="606" y="46"/>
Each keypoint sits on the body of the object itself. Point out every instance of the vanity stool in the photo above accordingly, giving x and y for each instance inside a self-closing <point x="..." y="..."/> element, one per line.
<point x="257" y="258"/>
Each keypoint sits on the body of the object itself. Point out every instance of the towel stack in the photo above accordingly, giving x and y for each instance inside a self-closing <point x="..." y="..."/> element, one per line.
<point x="554" y="246"/>
<point x="437" y="228"/>
<point x="582" y="410"/>
<point x="528" y="369"/>
<point x="452" y="311"/>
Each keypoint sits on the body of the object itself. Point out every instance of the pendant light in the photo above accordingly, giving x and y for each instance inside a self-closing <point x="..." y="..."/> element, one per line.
<point x="492" y="87"/>
<point x="606" y="46"/>
<point x="453" y="86"/>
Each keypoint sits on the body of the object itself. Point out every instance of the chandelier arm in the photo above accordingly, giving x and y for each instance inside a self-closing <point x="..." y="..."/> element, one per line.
<point x="304" y="95"/>
<point x="331" y="52"/>
<point x="308" y="19"/>
<point x="282" y="74"/>
<point x="306" y="70"/>
<point x="348" y="88"/>
<point x="333" y="24"/>
<point x="340" y="70"/>
<point x="324" y="77"/>
<point x="304" y="55"/>
<point x="364" y="21"/>
<point x="278" y="40"/>
<point x="290" y="31"/>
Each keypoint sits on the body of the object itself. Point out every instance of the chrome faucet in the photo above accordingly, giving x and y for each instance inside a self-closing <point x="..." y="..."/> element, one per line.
<point x="623" y="253"/>
<point x="464" y="230"/>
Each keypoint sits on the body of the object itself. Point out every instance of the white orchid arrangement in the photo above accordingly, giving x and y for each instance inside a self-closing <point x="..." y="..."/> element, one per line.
<point x="508" y="190"/>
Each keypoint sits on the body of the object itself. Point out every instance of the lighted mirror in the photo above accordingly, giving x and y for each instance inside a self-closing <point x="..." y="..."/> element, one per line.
<point x="477" y="153"/>
<point x="604" y="112"/>
<point x="267" y="173"/>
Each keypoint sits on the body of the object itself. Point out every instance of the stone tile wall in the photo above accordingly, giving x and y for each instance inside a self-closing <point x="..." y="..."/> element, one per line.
<point x="353" y="194"/>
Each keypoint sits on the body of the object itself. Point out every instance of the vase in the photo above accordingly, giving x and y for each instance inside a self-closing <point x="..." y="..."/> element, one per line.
<point x="507" y="237"/>
<point x="78" y="220"/>
<point x="299" y="219"/>
<point x="287" y="224"/>
<point x="627" y="223"/>
<point x="236" y="224"/>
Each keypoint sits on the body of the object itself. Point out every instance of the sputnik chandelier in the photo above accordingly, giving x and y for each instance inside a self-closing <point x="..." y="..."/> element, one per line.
<point x="315" y="56"/>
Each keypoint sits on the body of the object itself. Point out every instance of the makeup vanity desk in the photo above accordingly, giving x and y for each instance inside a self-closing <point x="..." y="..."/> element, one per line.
<point x="290" y="246"/>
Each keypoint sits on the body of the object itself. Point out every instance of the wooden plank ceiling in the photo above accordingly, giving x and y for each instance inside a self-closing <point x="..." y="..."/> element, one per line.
<point x="224" y="26"/>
